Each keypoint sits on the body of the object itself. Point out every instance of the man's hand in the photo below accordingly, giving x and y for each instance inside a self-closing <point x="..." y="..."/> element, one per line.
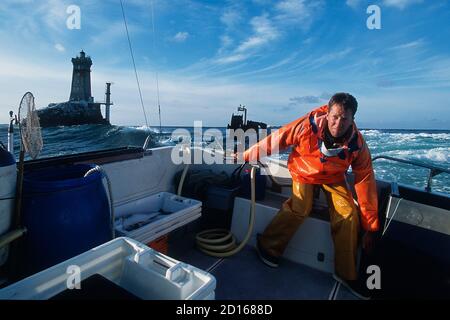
<point x="368" y="241"/>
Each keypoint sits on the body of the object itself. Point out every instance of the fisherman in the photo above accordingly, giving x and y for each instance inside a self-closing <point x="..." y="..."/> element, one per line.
<point x="326" y="142"/>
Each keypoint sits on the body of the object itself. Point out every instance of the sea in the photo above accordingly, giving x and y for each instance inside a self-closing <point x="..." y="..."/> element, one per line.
<point x="425" y="146"/>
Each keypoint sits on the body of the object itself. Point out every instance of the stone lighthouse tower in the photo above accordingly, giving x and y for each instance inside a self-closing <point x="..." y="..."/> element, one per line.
<point x="81" y="79"/>
<point x="81" y="108"/>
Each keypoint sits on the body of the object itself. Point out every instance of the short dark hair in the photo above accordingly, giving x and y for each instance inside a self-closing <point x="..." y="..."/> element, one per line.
<point x="346" y="100"/>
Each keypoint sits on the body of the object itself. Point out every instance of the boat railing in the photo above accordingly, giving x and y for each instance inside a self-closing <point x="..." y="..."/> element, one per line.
<point x="434" y="170"/>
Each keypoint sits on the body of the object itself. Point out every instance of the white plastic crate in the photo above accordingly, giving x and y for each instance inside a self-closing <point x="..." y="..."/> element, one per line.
<point x="140" y="270"/>
<point x="148" y="218"/>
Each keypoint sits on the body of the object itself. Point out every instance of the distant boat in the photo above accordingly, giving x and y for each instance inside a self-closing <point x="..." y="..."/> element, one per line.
<point x="239" y="121"/>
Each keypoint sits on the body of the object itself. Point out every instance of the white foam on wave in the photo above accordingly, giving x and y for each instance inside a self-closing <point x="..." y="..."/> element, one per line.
<point x="371" y="133"/>
<point x="408" y="137"/>
<point x="440" y="154"/>
<point x="145" y="128"/>
<point x="398" y="138"/>
<point x="437" y="154"/>
<point x="395" y="140"/>
<point x="438" y="136"/>
<point x="166" y="142"/>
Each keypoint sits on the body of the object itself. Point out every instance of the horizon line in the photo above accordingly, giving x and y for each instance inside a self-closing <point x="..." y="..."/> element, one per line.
<point x="224" y="127"/>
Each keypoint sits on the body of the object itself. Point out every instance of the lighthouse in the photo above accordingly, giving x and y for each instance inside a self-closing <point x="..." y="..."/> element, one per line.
<point x="81" y="108"/>
<point x="81" y="79"/>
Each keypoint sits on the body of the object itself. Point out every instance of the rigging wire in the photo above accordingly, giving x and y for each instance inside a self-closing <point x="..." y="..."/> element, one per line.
<point x="134" y="64"/>
<point x="157" y="82"/>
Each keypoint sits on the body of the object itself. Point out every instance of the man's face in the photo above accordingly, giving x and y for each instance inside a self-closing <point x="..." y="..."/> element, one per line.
<point x="339" y="120"/>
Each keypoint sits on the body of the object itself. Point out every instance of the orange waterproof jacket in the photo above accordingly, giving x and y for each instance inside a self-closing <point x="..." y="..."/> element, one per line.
<point x="307" y="163"/>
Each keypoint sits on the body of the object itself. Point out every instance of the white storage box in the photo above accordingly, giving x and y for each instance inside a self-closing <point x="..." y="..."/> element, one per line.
<point x="148" y="218"/>
<point x="143" y="272"/>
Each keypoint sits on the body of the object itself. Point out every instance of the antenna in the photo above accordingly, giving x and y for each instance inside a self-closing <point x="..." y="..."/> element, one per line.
<point x="108" y="102"/>
<point x="134" y="63"/>
<point x="12" y="122"/>
<point x="243" y="108"/>
<point x="157" y="81"/>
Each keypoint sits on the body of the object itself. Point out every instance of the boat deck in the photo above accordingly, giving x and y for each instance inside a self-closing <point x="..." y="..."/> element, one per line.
<point x="244" y="277"/>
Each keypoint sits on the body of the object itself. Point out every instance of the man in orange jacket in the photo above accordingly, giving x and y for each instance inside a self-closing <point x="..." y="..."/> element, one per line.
<point x="326" y="142"/>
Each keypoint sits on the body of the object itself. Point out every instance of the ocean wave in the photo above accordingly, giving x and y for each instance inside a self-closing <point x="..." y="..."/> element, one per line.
<point x="436" y="155"/>
<point x="371" y="133"/>
<point x="143" y="128"/>
<point x="415" y="137"/>
<point x="437" y="136"/>
<point x="426" y="147"/>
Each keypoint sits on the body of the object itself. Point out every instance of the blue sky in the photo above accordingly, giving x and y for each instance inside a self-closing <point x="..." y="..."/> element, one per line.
<point x="279" y="58"/>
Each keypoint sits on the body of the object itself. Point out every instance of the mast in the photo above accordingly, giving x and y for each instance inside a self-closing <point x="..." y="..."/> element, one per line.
<point x="108" y="102"/>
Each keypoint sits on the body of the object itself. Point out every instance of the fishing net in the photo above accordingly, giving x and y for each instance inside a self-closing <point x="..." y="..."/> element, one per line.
<point x="30" y="128"/>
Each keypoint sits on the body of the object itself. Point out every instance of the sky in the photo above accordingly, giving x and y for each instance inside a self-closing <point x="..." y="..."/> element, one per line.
<point x="278" y="58"/>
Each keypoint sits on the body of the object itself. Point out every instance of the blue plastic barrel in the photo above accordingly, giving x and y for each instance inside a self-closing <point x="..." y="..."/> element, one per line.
<point x="65" y="214"/>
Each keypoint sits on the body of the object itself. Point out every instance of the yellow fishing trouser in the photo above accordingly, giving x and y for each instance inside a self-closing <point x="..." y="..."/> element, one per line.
<point x="343" y="218"/>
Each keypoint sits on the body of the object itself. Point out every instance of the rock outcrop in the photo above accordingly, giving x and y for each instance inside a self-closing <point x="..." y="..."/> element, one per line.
<point x="71" y="113"/>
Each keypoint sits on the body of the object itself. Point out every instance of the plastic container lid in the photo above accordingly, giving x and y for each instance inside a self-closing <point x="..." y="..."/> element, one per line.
<point x="57" y="178"/>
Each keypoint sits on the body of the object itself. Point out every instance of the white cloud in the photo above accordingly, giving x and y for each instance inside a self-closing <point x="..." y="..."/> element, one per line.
<point x="264" y="32"/>
<point x="266" y="28"/>
<point x="54" y="14"/>
<point x="42" y="23"/>
<point x="232" y="58"/>
<point x="225" y="42"/>
<point x="410" y="45"/>
<point x="353" y="3"/>
<point x="308" y="41"/>
<point x="114" y="32"/>
<point x="60" y="47"/>
<point x="328" y="57"/>
<point x="297" y="12"/>
<point x="181" y="37"/>
<point x="400" y="4"/>
<point x="231" y="17"/>
<point x="261" y="2"/>
<point x="275" y="66"/>
<point x="315" y="99"/>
